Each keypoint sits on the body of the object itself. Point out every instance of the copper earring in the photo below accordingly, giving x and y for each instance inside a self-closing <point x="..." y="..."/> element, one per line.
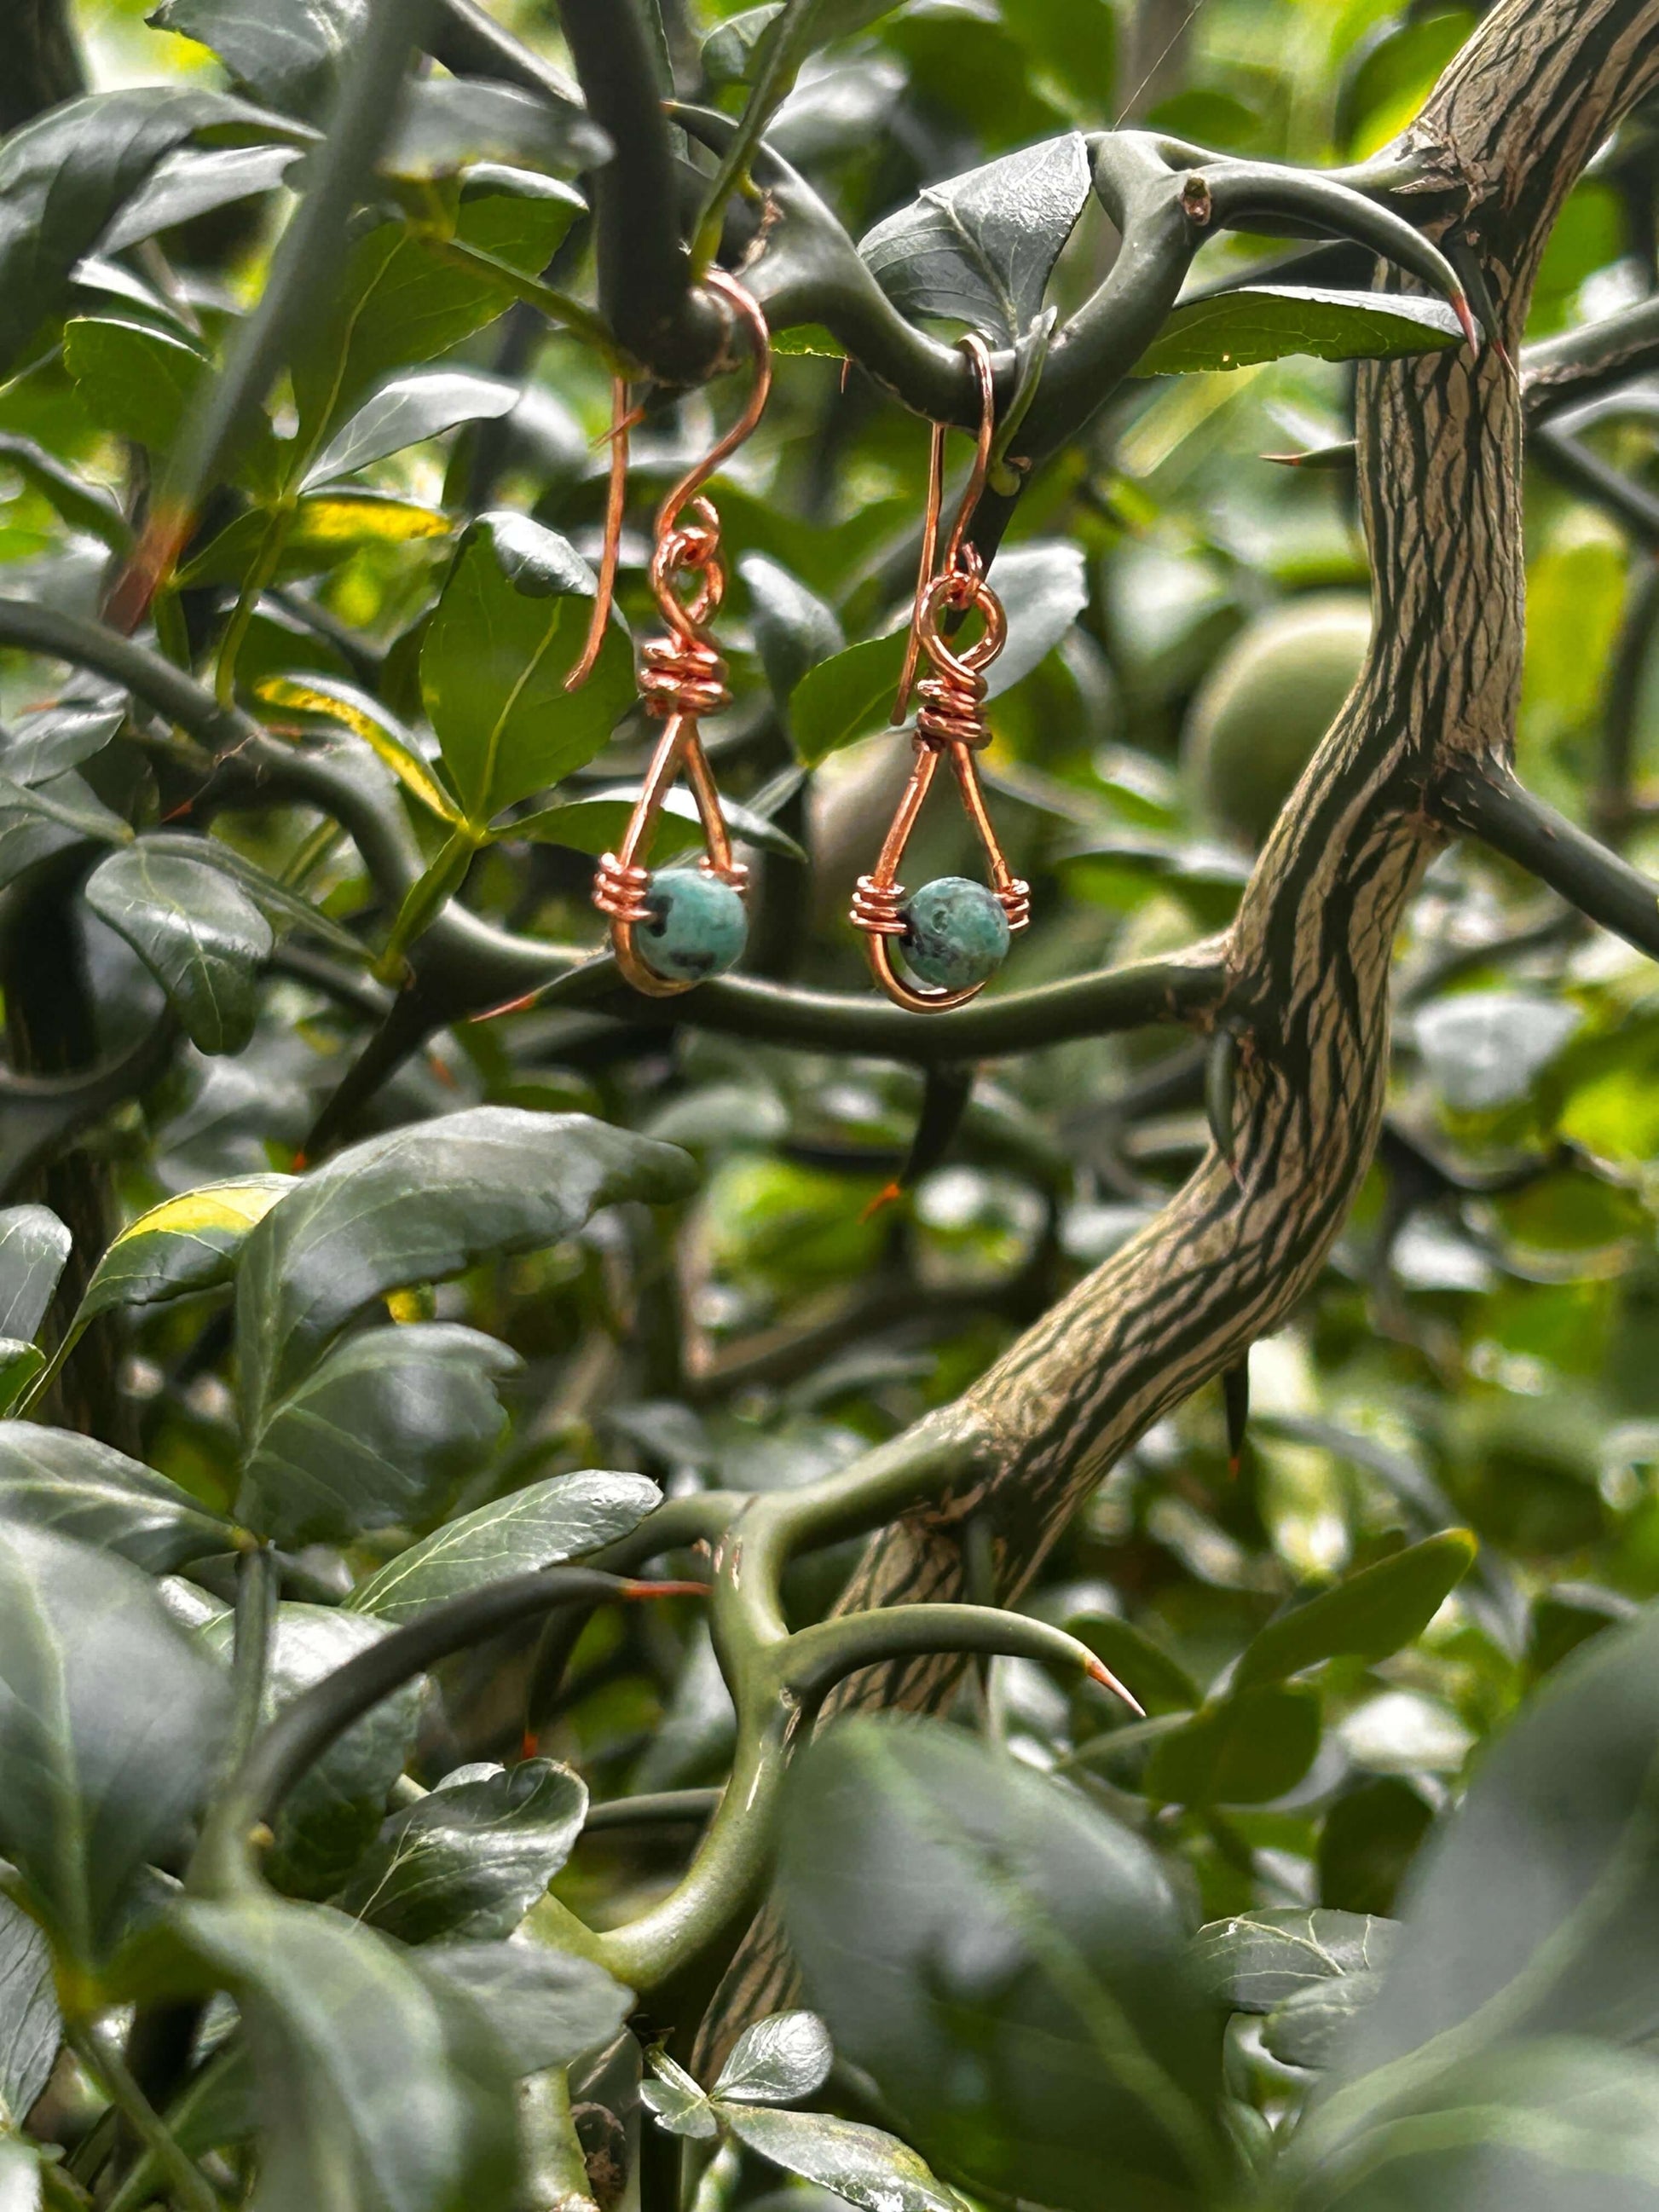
<point x="953" y="934"/>
<point x="672" y="928"/>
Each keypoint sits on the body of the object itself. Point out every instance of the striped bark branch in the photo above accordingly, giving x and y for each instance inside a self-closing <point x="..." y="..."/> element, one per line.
<point x="1507" y="132"/>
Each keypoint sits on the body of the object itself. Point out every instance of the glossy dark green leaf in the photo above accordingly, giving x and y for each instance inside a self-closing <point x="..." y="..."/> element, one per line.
<point x="1532" y="1913"/>
<point x="43" y="746"/>
<point x="109" y="1730"/>
<point x="1007" y="1963"/>
<point x="472" y="1856"/>
<point x="980" y="248"/>
<point x="778" y="2061"/>
<point x="417" y="1206"/>
<point x="135" y="379"/>
<point x="380" y="2086"/>
<point x="281" y="904"/>
<point x="444" y="123"/>
<point x="1256" y="1960"/>
<point x="1368" y="1842"/>
<point x="199" y="934"/>
<point x="62" y="178"/>
<point x="793" y="628"/>
<point x="184" y="1244"/>
<point x="545" y="2007"/>
<point x="507" y="631"/>
<point x="562" y="1518"/>
<point x="1311" y="2027"/>
<point x="1562" y="2122"/>
<point x="196" y="181"/>
<point x="846" y="697"/>
<point x="33" y="1246"/>
<point x="407" y="410"/>
<point x="54" y="1478"/>
<point x="400" y="302"/>
<point x="30" y="2028"/>
<point x="1370" y="1616"/>
<point x="861" y="2165"/>
<point x="334" y="1813"/>
<point x="290" y="52"/>
<point x="85" y="507"/>
<point x="1264" y="322"/>
<point x="1246" y="1749"/>
<point x="384" y="1430"/>
<point x="50" y="817"/>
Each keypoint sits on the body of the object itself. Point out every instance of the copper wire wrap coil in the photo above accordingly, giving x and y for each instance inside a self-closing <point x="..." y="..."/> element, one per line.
<point x="682" y="676"/>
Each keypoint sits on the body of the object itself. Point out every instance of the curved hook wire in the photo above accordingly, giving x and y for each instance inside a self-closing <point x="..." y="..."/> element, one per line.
<point x="979" y="355"/>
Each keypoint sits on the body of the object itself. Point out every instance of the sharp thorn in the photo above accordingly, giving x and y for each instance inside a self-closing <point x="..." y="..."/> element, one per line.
<point x="1461" y="308"/>
<point x="1108" y="1680"/>
<point x="890" y="1195"/>
<point x="1236" y="1396"/>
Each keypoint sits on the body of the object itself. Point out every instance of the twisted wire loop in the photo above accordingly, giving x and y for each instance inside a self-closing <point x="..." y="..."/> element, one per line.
<point x="682" y="676"/>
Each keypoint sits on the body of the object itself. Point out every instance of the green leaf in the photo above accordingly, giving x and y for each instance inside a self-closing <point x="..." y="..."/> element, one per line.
<point x="84" y="507"/>
<point x="380" y="2086"/>
<point x="50" y="818"/>
<point x="595" y="822"/>
<point x="507" y="631"/>
<point x="473" y="1857"/>
<point x="980" y="248"/>
<point x="53" y="1478"/>
<point x="675" y="2101"/>
<point x="546" y="2008"/>
<point x="1309" y="2028"/>
<point x="846" y="697"/>
<point x="185" y="1244"/>
<point x="407" y="410"/>
<point x="135" y="380"/>
<point x="1486" y="1049"/>
<point x="1370" y="1616"/>
<point x="62" y="178"/>
<point x="777" y="2061"/>
<point x="21" y="1363"/>
<point x="1530" y="1911"/>
<point x="1264" y="322"/>
<point x="199" y="934"/>
<point x="343" y="703"/>
<point x="1158" y="1681"/>
<point x="445" y="124"/>
<point x="1559" y="2123"/>
<point x="326" y="528"/>
<point x="384" y="1429"/>
<point x="1007" y="1963"/>
<point x="1368" y="1842"/>
<point x="1256" y="1960"/>
<point x="1246" y="1749"/>
<point x="110" y="1729"/>
<point x="30" y="2029"/>
<point x="334" y="1813"/>
<point x="417" y="1205"/>
<point x="793" y="628"/>
<point x="281" y="904"/>
<point x="861" y="2165"/>
<point x="399" y="302"/>
<point x="33" y="1246"/>
<point x="562" y="1518"/>
<point x="290" y="52"/>
<point x="193" y="182"/>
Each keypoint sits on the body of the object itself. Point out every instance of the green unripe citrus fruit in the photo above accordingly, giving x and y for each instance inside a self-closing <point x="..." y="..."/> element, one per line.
<point x="1265" y="705"/>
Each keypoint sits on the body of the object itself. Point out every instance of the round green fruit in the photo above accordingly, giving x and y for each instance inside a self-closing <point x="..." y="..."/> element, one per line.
<point x="1265" y="705"/>
<point x="697" y="929"/>
<point x="956" y="934"/>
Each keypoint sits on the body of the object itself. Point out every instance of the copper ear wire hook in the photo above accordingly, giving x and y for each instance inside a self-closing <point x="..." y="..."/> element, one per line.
<point x="682" y="676"/>
<point x="979" y="355"/>
<point x="616" y="498"/>
<point x="952" y="718"/>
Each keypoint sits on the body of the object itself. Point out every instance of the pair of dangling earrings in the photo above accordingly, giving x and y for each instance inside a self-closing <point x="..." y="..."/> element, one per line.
<point x="674" y="927"/>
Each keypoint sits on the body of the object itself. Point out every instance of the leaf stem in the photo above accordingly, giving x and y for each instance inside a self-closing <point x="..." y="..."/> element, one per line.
<point x="101" y="2058"/>
<point x="258" y="1578"/>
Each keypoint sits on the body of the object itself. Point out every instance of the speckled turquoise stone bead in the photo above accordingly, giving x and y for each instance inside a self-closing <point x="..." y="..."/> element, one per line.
<point x="956" y="934"/>
<point x="698" y="928"/>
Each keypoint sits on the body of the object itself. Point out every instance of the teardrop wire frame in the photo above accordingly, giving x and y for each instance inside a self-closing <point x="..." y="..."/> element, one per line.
<point x="682" y="676"/>
<point x="952" y="721"/>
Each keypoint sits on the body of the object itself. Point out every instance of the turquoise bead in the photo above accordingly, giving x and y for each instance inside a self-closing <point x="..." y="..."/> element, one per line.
<point x="956" y="934"/>
<point x="698" y="927"/>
